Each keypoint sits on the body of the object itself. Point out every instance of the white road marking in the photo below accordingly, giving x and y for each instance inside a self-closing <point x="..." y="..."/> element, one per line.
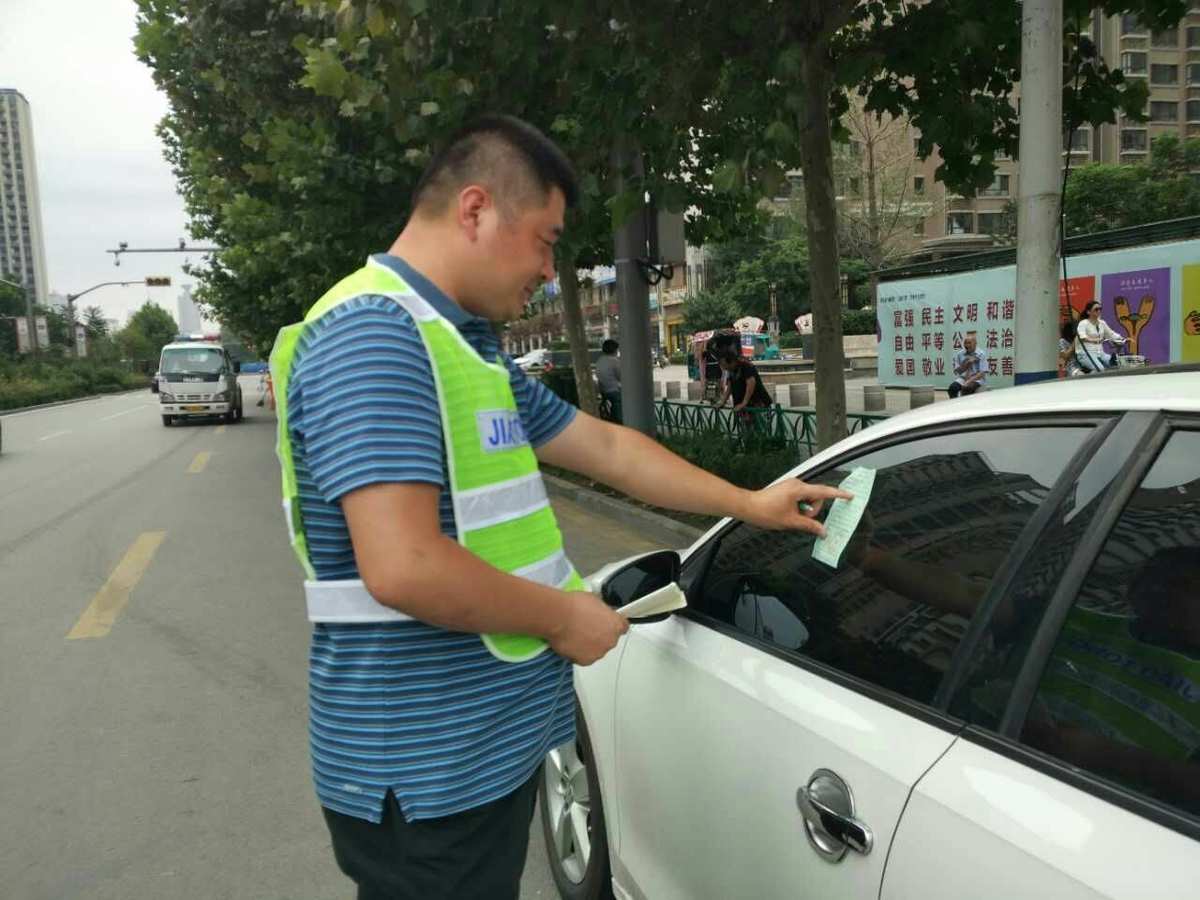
<point x="56" y="434"/>
<point x="123" y="412"/>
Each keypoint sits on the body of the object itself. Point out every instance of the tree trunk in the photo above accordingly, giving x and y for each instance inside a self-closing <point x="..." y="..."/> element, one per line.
<point x="568" y="281"/>
<point x="816" y="153"/>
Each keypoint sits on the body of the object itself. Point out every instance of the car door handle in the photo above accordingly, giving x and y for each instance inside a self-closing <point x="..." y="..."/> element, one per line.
<point x="828" y="809"/>
<point x="847" y="829"/>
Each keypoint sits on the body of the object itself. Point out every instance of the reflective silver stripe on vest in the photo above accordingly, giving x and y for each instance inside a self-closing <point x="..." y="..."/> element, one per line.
<point x="554" y="570"/>
<point x="347" y="603"/>
<point x="496" y="503"/>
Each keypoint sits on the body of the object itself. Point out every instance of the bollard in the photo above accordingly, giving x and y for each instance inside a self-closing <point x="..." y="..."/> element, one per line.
<point x="875" y="398"/>
<point x="693" y="390"/>
<point x="674" y="391"/>
<point x="920" y="395"/>
<point x="798" y="395"/>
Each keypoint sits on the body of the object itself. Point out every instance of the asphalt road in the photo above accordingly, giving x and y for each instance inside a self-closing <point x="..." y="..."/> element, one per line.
<point x="153" y="661"/>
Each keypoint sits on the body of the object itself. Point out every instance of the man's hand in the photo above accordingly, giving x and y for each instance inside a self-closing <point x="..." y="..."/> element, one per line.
<point x="778" y="507"/>
<point x="589" y="629"/>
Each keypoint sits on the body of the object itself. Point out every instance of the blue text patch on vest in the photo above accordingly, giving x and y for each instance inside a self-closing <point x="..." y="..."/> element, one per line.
<point x="500" y="429"/>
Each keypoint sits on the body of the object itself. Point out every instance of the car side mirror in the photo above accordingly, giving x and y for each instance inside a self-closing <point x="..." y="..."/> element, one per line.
<point x="237" y="367"/>
<point x="154" y="385"/>
<point x="635" y="578"/>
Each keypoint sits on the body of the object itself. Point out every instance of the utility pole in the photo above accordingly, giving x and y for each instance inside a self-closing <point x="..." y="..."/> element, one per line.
<point x="1040" y="172"/>
<point x="630" y="241"/>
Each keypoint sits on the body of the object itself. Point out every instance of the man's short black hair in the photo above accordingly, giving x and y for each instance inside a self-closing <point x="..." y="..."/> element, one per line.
<point x="514" y="160"/>
<point x="610" y="347"/>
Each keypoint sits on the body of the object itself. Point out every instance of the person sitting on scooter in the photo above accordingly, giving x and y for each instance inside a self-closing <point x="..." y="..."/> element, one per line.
<point x="1090" y="335"/>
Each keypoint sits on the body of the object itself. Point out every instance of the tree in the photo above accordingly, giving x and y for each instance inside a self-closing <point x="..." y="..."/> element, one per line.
<point x="709" y="310"/>
<point x="713" y="101"/>
<point x="95" y="323"/>
<point x="148" y="331"/>
<point x="293" y="187"/>
<point x="1100" y="196"/>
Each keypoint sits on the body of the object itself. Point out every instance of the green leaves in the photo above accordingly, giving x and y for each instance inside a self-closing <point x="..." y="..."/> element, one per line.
<point x="727" y="178"/>
<point x="324" y="73"/>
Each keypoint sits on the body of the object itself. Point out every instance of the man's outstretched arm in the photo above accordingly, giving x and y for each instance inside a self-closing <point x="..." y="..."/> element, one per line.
<point x="640" y="467"/>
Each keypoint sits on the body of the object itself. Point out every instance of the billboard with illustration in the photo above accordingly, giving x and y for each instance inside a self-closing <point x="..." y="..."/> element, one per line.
<point x="1148" y="294"/>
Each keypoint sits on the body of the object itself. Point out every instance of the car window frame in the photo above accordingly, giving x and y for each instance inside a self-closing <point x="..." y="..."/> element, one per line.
<point x="1102" y="424"/>
<point x="1006" y="740"/>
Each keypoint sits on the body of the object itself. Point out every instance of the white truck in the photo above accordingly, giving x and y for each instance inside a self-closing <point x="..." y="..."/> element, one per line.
<point x="196" y="377"/>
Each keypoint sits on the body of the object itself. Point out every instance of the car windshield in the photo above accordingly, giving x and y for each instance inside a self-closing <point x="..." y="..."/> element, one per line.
<point x="198" y="361"/>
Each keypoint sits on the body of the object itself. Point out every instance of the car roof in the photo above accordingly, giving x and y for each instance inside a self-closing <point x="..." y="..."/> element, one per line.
<point x="1169" y="388"/>
<point x="191" y="345"/>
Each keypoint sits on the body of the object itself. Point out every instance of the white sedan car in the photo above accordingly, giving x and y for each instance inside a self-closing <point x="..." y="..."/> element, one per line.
<point x="995" y="693"/>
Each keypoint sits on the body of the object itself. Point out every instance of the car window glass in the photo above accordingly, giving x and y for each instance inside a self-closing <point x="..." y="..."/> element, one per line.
<point x="943" y="513"/>
<point x="1120" y="693"/>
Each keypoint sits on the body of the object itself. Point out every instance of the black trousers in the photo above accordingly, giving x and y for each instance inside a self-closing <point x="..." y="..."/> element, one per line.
<point x="966" y="390"/>
<point x="475" y="855"/>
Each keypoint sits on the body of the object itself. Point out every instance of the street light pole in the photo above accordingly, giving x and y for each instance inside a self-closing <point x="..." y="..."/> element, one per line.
<point x="152" y="281"/>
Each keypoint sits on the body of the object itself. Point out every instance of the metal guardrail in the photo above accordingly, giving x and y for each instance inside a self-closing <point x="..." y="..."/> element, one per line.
<point x="794" y="428"/>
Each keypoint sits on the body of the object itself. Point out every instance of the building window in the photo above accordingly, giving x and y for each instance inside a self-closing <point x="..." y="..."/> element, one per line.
<point x="988" y="222"/>
<point x="919" y="228"/>
<point x="960" y="223"/>
<point x="998" y="187"/>
<point x="1164" y="111"/>
<point x="1193" y="110"/>
<point x="919" y="185"/>
<point x="1193" y="38"/>
<point x="1130" y="25"/>
<point x="1164" y="74"/>
<point x="1168" y="38"/>
<point x="1133" y="140"/>
<point x="1081" y="141"/>
<point x="1133" y="63"/>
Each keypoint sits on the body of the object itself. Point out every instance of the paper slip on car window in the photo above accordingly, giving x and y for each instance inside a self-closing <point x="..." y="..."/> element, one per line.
<point x="844" y="517"/>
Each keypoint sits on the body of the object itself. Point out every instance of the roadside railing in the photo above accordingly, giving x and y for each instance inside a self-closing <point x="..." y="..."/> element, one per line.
<point x="794" y="428"/>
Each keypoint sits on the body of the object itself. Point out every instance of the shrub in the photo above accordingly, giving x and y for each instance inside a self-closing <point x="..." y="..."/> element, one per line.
<point x="33" y="382"/>
<point x="858" y="321"/>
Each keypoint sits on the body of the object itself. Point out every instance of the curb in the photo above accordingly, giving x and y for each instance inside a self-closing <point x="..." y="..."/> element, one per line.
<point x="619" y="509"/>
<point x="25" y="409"/>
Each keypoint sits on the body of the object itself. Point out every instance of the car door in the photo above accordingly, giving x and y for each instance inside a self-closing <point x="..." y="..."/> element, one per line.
<point x="1088" y="784"/>
<point x="766" y="741"/>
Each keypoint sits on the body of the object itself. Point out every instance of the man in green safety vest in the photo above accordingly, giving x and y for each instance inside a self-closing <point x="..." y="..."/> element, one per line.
<point x="446" y="614"/>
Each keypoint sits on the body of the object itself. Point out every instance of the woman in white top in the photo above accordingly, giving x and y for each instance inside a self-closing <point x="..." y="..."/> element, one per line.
<point x="1090" y="335"/>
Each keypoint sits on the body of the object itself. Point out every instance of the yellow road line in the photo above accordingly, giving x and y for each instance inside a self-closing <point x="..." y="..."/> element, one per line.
<point x="97" y="620"/>
<point x="199" y="462"/>
<point x="220" y="429"/>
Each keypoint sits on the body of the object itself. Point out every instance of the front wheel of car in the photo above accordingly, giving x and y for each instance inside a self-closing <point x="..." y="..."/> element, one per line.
<point x="573" y="820"/>
<point x="167" y="420"/>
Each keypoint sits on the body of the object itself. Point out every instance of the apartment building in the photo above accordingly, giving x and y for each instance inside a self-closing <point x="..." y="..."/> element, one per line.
<point x="22" y="248"/>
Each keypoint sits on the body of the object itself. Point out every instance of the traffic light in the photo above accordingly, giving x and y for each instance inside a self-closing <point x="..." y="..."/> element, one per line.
<point x="158" y="281"/>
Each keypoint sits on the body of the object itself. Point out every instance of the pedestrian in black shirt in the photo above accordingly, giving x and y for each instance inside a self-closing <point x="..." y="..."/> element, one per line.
<point x="745" y="385"/>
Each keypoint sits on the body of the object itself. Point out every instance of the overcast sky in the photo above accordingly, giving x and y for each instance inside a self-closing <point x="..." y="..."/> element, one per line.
<point x="100" y="166"/>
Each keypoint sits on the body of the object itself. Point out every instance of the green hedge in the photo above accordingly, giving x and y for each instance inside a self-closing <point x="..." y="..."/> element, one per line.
<point x="789" y="340"/>
<point x="30" y="384"/>
<point x="858" y="321"/>
<point x="753" y="466"/>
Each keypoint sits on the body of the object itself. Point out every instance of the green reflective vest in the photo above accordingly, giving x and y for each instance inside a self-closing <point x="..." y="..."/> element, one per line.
<point x="501" y="511"/>
<point x="1135" y="693"/>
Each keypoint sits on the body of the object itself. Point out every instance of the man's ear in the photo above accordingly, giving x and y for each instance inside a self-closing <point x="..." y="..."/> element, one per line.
<point x="473" y="200"/>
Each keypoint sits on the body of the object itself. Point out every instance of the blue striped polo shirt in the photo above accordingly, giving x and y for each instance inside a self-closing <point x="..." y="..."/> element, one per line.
<point x="427" y="713"/>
